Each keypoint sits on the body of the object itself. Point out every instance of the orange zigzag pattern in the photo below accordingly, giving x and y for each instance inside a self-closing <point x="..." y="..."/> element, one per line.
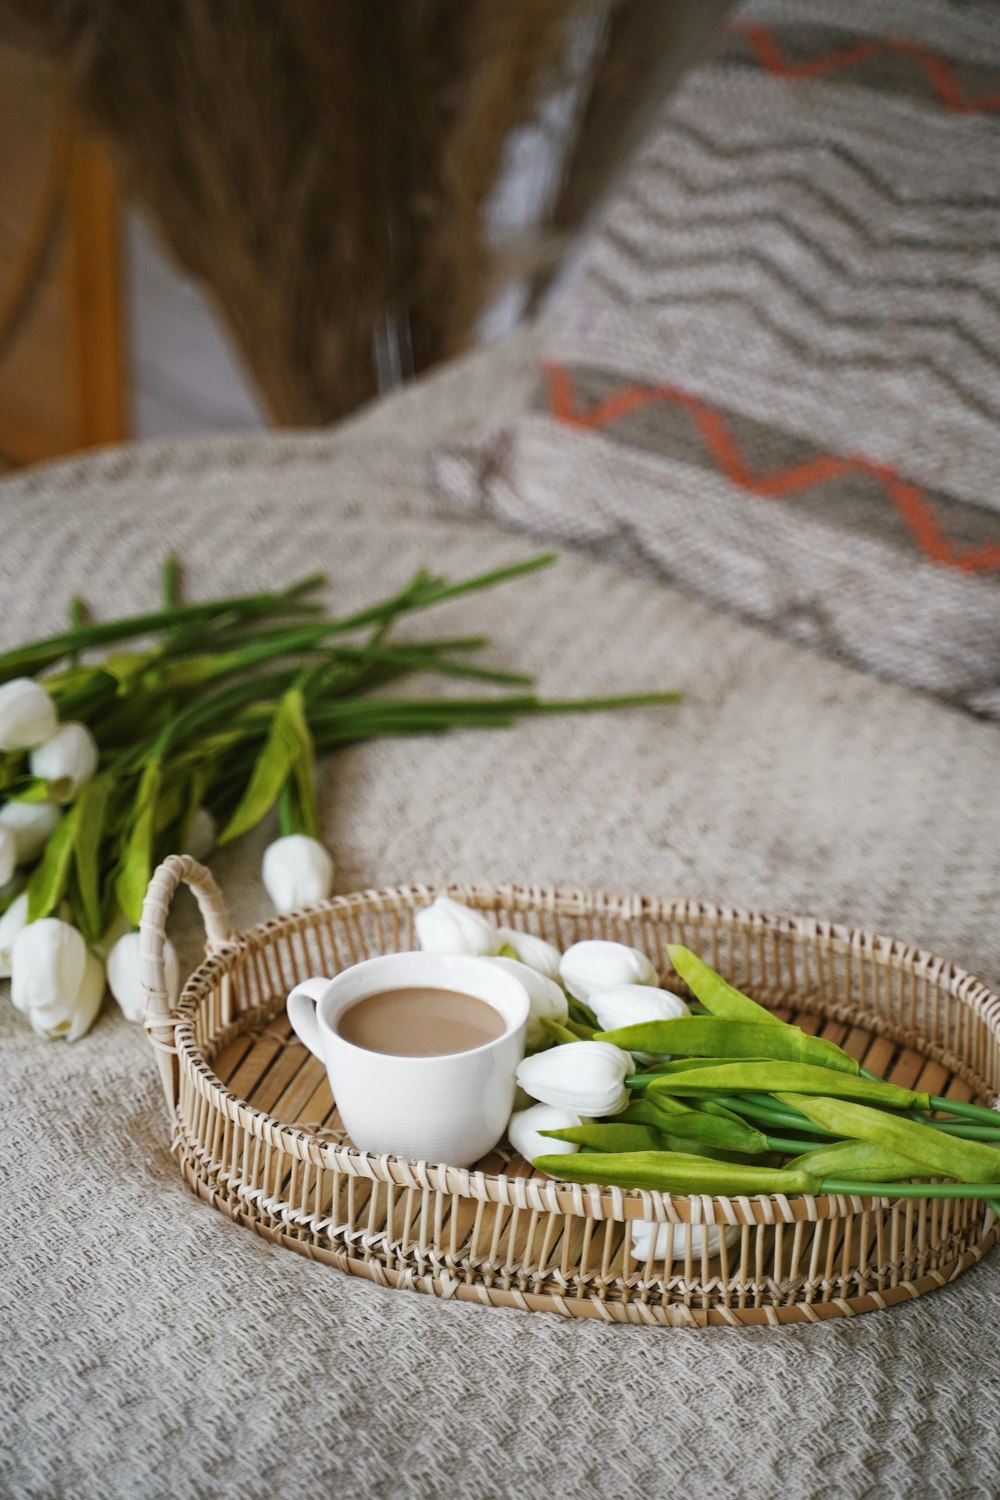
<point x="937" y="70"/>
<point x="909" y="499"/>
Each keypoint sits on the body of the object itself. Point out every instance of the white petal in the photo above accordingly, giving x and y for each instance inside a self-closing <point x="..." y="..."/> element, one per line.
<point x="597" y="965"/>
<point x="631" y="1004"/>
<point x="522" y="1131"/>
<point x="8" y="855"/>
<point x="296" y="870"/>
<point x="545" y="999"/>
<point x="70" y="1016"/>
<point x="587" y="1077"/>
<point x="671" y="1240"/>
<point x="449" y="927"/>
<point x="533" y="951"/>
<point x="67" y="761"/>
<point x="48" y="960"/>
<point x="13" y="921"/>
<point x="123" y="975"/>
<point x="27" y="714"/>
<point x="30" y="823"/>
<point x="88" y="1000"/>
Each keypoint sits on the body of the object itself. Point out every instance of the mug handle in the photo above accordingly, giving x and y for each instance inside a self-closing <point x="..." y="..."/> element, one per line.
<point x="301" y="1006"/>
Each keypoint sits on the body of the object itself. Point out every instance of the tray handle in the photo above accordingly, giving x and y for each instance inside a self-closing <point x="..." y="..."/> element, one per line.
<point x="176" y="869"/>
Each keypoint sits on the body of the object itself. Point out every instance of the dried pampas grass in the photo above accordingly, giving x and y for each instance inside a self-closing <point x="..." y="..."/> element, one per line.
<point x="325" y="167"/>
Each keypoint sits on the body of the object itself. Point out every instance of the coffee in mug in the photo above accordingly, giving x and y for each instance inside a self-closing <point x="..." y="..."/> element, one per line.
<point x="418" y="1021"/>
<point x="421" y="1051"/>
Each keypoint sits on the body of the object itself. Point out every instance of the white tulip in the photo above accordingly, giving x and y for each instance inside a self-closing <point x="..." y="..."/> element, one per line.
<point x="531" y="950"/>
<point x="201" y="835"/>
<point x="296" y="871"/>
<point x="631" y="1004"/>
<point x="30" y="823"/>
<point x="597" y="965"/>
<point x="11" y="923"/>
<point x="48" y="959"/>
<point x="671" y="1240"/>
<point x="450" y="927"/>
<point x="8" y="855"/>
<point x="68" y="1020"/>
<point x="27" y="715"/>
<point x="67" y="761"/>
<point x="123" y="975"/>
<point x="56" y="983"/>
<point x="586" y="1077"/>
<point x="525" y="1124"/>
<point x="545" y="998"/>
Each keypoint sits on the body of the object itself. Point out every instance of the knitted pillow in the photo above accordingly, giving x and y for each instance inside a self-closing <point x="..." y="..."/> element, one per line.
<point x="778" y="381"/>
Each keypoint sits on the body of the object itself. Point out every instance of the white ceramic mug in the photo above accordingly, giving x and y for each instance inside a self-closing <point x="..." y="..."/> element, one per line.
<point x="451" y="1108"/>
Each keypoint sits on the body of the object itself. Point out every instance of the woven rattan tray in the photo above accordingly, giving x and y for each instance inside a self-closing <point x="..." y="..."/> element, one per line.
<point x="257" y="1134"/>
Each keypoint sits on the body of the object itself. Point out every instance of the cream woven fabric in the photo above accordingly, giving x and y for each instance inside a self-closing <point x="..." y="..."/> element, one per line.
<point x="152" y="1349"/>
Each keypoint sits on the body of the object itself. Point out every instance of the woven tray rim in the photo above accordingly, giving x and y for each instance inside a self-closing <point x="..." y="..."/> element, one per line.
<point x="542" y="1194"/>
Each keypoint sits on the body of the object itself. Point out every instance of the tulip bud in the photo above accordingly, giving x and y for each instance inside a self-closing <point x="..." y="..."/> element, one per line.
<point x="201" y="836"/>
<point x="55" y="981"/>
<point x="597" y="965"/>
<point x="525" y="1124"/>
<point x="11" y="923"/>
<point x="30" y="823"/>
<point x="450" y="927"/>
<point x="27" y="715"/>
<point x="123" y="975"/>
<point x="631" y="1004"/>
<point x="48" y="961"/>
<point x="68" y="1020"/>
<point x="67" y="761"/>
<point x="545" y="998"/>
<point x="671" y="1240"/>
<point x="586" y="1077"/>
<point x="8" y="855"/>
<point x="296" y="871"/>
<point x="531" y="950"/>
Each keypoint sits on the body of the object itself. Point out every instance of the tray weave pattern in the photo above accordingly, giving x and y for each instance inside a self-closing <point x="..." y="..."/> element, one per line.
<point x="257" y="1133"/>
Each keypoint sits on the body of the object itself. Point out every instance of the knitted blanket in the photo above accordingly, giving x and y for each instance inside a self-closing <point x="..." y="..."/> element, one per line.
<point x="151" y="1348"/>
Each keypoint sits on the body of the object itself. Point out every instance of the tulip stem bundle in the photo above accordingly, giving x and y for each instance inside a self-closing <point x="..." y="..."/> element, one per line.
<point x="715" y="1095"/>
<point x="731" y="1100"/>
<point x="124" y="740"/>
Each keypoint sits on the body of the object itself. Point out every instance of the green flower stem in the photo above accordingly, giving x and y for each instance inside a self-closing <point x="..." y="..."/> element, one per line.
<point x="170" y="590"/>
<point x="958" y="1128"/>
<point x="766" y="1110"/>
<point x="787" y="1146"/>
<point x="984" y="1190"/>
<point x="425" y="591"/>
<point x="975" y="1113"/>
<point x="580" y="1011"/>
<point x="38" y="655"/>
<point x="411" y="660"/>
<point x="769" y="1111"/>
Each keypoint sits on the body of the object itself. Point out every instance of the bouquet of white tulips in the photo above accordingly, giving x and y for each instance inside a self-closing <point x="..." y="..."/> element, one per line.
<point x="125" y="740"/>
<point x="716" y="1096"/>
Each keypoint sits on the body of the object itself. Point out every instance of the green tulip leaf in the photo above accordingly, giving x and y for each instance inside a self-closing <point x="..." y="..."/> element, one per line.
<point x="282" y="750"/>
<point x="136" y="864"/>
<point x="47" y="885"/>
<point x="91" y="809"/>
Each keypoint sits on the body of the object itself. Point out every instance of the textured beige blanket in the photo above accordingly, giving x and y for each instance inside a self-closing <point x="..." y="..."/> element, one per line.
<point x="150" y="1348"/>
